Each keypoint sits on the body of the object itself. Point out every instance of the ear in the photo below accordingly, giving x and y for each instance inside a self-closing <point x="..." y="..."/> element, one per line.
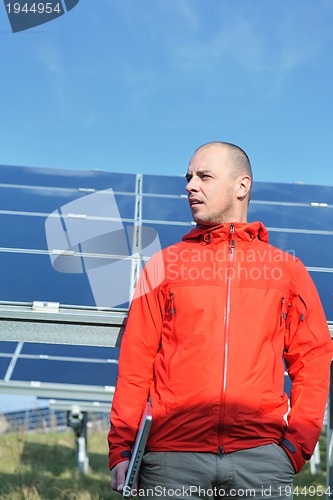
<point x="244" y="186"/>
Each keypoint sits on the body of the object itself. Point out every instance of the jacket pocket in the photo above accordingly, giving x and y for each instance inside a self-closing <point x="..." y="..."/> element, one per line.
<point x="173" y="353"/>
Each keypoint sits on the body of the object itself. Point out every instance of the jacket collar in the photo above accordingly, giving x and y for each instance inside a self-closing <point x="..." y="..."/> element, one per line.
<point x="246" y="231"/>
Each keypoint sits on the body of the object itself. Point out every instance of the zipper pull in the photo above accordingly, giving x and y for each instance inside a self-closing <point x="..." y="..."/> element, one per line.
<point x="171" y="304"/>
<point x="220" y="451"/>
<point x="283" y="312"/>
<point x="232" y="231"/>
<point x="207" y="238"/>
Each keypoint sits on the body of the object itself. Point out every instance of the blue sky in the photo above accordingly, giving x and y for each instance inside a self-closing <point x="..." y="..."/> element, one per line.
<point x="137" y="85"/>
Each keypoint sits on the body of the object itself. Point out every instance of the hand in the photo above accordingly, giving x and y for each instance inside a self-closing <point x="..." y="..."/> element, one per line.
<point x="118" y="474"/>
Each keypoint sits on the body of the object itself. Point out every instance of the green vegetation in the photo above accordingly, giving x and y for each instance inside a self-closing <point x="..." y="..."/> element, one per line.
<point x="307" y="485"/>
<point x="42" y="466"/>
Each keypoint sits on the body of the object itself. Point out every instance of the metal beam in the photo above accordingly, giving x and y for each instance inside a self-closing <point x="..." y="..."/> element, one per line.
<point x="90" y="327"/>
<point x="46" y="390"/>
<point x="89" y="406"/>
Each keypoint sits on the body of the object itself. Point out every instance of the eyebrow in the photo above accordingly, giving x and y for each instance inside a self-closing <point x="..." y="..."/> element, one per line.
<point x="189" y="176"/>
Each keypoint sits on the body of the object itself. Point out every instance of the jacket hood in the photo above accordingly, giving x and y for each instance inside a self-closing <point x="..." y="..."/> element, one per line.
<point x="246" y="231"/>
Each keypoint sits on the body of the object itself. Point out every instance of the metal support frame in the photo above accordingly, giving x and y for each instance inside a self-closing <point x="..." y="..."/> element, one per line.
<point x="22" y="322"/>
<point x="77" y="420"/>
<point x="47" y="323"/>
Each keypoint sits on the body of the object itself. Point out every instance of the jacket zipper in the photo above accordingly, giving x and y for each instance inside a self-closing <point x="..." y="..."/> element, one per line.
<point x="283" y="313"/>
<point x="231" y="248"/>
<point x="171" y="304"/>
<point x="303" y="313"/>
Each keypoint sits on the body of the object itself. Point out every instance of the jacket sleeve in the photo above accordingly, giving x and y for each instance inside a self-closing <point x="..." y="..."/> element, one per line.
<point x="308" y="355"/>
<point x="139" y="346"/>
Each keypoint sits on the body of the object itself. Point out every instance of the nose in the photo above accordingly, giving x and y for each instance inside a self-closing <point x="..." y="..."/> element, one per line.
<point x="192" y="185"/>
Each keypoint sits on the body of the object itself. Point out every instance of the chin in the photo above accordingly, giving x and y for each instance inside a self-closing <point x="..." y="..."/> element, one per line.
<point x="204" y="223"/>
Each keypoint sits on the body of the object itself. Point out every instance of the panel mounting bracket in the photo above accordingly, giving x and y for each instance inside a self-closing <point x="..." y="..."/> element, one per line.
<point x="47" y="307"/>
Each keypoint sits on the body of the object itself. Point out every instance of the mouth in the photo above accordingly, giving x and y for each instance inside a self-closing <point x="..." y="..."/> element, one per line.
<point x="194" y="201"/>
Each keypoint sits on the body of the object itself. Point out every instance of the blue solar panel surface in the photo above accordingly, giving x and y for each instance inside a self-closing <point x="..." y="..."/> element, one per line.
<point x="295" y="193"/>
<point x="293" y="217"/>
<point x="4" y="364"/>
<point x="64" y="372"/>
<point x="61" y="178"/>
<point x="299" y="218"/>
<point x="30" y="277"/>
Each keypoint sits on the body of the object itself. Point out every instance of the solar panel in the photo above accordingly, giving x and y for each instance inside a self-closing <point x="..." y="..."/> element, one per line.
<point x="41" y="203"/>
<point x="28" y="277"/>
<point x="4" y="364"/>
<point x="60" y="372"/>
<point x="15" y="234"/>
<point x="295" y="192"/>
<point x="294" y="217"/>
<point x="324" y="283"/>
<point x="166" y="209"/>
<point x="302" y="245"/>
<point x="63" y="178"/>
<point x="71" y="249"/>
<point x="168" y="233"/>
<point x="159" y="185"/>
<point x="8" y="347"/>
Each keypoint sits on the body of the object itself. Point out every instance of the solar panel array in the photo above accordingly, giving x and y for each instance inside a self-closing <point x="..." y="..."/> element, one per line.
<point x="72" y="245"/>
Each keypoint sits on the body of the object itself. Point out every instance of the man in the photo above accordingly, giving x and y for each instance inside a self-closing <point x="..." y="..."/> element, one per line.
<point x="212" y="319"/>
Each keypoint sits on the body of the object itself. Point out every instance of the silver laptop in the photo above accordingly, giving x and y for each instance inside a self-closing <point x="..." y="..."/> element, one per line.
<point x="138" y="451"/>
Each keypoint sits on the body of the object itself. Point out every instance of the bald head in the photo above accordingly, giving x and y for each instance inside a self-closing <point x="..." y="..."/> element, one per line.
<point x="239" y="162"/>
<point x="219" y="180"/>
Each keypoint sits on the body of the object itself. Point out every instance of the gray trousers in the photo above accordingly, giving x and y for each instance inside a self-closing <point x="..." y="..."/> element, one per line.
<point x="264" y="472"/>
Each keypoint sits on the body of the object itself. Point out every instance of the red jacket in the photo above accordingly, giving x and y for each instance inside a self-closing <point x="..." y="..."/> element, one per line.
<point x="212" y="319"/>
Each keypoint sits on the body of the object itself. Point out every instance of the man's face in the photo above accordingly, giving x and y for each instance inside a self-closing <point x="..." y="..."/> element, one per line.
<point x="211" y="187"/>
